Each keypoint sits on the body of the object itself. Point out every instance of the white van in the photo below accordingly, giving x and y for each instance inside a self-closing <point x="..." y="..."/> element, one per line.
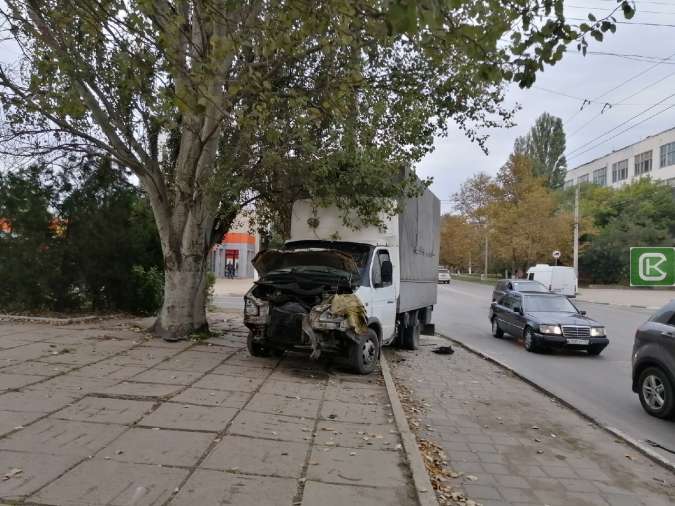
<point x="556" y="278"/>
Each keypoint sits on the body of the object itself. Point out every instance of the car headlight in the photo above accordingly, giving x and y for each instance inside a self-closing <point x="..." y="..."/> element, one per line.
<point x="250" y="307"/>
<point x="550" y="329"/>
<point x="597" y="331"/>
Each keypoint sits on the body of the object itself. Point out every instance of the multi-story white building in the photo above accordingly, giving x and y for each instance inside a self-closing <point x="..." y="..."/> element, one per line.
<point x="653" y="157"/>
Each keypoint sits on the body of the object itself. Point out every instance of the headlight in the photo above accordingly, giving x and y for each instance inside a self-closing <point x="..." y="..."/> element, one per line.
<point x="550" y="329"/>
<point x="597" y="331"/>
<point x="250" y="307"/>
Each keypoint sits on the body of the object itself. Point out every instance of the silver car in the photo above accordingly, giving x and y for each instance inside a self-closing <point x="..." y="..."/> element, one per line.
<point x="654" y="363"/>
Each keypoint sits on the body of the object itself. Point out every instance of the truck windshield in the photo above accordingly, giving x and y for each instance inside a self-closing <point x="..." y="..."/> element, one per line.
<point x="359" y="252"/>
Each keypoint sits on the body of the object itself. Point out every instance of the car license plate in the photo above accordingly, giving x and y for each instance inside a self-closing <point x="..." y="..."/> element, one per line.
<point x="577" y="341"/>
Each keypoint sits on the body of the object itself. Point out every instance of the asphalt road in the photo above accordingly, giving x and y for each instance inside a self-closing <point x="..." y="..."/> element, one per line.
<point x="598" y="386"/>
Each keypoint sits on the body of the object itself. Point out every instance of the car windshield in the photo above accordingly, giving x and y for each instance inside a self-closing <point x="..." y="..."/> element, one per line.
<point x="443" y="271"/>
<point x="529" y="286"/>
<point x="541" y="304"/>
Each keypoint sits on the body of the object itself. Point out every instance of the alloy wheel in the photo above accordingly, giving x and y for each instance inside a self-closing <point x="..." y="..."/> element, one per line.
<point x="654" y="392"/>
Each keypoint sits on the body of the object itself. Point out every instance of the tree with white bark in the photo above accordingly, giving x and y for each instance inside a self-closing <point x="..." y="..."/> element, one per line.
<point x="217" y="104"/>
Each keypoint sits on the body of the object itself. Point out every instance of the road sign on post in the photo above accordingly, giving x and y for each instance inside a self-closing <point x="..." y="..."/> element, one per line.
<point x="556" y="255"/>
<point x="652" y="266"/>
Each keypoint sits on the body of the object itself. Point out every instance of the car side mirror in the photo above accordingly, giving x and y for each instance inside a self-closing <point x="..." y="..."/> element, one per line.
<point x="582" y="313"/>
<point x="387" y="270"/>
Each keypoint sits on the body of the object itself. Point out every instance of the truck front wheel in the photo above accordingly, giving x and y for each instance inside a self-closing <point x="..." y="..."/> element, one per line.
<point x="365" y="352"/>
<point x="410" y="332"/>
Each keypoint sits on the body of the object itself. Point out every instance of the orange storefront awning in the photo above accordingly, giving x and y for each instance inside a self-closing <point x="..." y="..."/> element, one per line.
<point x="238" y="238"/>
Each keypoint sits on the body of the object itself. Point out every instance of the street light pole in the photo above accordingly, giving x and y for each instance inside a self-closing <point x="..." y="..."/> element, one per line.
<point x="576" y="231"/>
<point x="486" y="254"/>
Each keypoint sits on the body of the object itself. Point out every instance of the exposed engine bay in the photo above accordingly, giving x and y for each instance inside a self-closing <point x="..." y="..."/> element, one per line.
<point x="305" y="300"/>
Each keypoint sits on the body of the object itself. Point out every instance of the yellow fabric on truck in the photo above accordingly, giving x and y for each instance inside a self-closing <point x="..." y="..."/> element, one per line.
<point x="349" y="306"/>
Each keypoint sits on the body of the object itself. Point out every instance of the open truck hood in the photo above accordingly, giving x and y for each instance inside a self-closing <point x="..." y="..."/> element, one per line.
<point x="272" y="260"/>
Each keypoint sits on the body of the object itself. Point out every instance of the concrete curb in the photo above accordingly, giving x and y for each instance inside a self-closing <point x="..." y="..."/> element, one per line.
<point x="425" y="492"/>
<point x="637" y="445"/>
<point x="653" y="308"/>
<point x="55" y="321"/>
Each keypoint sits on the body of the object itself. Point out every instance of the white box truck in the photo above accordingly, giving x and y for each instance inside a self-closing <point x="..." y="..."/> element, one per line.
<point x="557" y="278"/>
<point x="343" y="290"/>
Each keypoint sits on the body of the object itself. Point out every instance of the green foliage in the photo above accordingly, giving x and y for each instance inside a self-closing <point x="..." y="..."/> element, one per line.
<point x="75" y="238"/>
<point x="639" y="214"/>
<point x="27" y="258"/>
<point x="146" y="290"/>
<point x="545" y="145"/>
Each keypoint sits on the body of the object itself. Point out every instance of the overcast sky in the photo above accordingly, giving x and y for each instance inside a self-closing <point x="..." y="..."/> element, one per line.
<point x="456" y="158"/>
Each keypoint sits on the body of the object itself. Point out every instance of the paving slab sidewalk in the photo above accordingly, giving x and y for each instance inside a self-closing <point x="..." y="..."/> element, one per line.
<point x="96" y="414"/>
<point x="510" y="444"/>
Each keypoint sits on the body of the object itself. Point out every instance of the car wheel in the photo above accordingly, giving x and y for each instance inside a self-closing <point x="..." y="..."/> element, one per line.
<point x="256" y="348"/>
<point x="410" y="333"/>
<point x="530" y="341"/>
<point x="656" y="393"/>
<point x="595" y="350"/>
<point x="496" y="330"/>
<point x="365" y="353"/>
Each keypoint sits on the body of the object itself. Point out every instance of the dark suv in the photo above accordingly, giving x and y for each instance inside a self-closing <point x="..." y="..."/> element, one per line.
<point x="516" y="285"/>
<point x="654" y="363"/>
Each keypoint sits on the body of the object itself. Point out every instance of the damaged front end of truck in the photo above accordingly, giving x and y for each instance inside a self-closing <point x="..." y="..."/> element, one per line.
<point x="305" y="300"/>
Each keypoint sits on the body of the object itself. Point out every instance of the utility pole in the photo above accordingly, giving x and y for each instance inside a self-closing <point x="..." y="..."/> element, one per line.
<point x="486" y="253"/>
<point x="576" y="231"/>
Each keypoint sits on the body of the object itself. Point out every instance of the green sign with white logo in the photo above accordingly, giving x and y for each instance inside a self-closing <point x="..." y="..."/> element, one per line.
<point x="652" y="266"/>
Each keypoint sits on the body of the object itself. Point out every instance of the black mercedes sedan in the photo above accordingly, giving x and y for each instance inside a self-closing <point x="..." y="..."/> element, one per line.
<point x="546" y="320"/>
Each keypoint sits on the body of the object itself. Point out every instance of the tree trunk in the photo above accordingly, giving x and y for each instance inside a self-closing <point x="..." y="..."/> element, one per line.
<point x="186" y="241"/>
<point x="183" y="311"/>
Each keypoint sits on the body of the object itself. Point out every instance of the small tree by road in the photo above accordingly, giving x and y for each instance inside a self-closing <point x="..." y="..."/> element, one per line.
<point x="545" y="145"/>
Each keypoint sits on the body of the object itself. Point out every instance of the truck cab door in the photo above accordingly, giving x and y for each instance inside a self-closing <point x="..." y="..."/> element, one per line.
<point x="383" y="302"/>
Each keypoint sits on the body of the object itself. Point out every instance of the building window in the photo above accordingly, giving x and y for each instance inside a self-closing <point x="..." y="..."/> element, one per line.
<point x="668" y="154"/>
<point x="582" y="179"/>
<point x="600" y="176"/>
<point x="619" y="171"/>
<point x="643" y="163"/>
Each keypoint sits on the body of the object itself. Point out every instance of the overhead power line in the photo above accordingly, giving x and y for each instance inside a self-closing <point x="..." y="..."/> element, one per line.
<point x="622" y="102"/>
<point x="623" y="131"/>
<point x="635" y="23"/>
<point x="570" y="153"/>
<point x="641" y="73"/>
<point x="650" y="2"/>
<point x="639" y="10"/>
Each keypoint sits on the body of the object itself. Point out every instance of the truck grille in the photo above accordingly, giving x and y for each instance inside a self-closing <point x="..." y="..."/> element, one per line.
<point x="576" y="332"/>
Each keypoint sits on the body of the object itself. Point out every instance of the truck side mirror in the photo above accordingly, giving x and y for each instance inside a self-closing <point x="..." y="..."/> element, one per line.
<point x="387" y="271"/>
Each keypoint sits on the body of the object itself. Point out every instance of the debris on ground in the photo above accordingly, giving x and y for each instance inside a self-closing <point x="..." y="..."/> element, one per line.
<point x="443" y="350"/>
<point x="15" y="471"/>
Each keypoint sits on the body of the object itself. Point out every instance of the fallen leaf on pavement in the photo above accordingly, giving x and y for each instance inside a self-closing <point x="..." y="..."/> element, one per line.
<point x="15" y="471"/>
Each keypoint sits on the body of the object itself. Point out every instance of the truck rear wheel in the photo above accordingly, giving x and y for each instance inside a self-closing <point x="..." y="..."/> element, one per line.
<point x="364" y="354"/>
<point x="410" y="333"/>
<point x="256" y="348"/>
